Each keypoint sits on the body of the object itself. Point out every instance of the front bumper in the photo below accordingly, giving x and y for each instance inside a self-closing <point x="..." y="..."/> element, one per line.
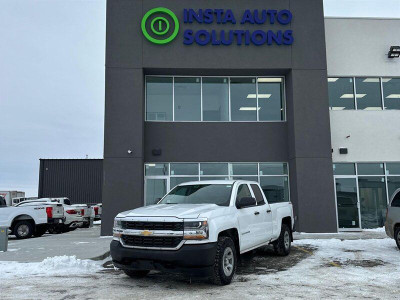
<point x="193" y="259"/>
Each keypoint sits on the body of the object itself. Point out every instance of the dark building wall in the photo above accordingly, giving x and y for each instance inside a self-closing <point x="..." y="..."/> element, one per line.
<point x="80" y="180"/>
<point x="303" y="140"/>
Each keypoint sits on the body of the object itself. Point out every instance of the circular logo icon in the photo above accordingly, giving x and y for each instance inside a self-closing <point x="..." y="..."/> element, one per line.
<point x="159" y="29"/>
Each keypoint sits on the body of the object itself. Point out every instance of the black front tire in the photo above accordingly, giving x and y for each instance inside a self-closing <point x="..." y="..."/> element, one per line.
<point x="397" y="237"/>
<point x="222" y="274"/>
<point x="283" y="244"/>
<point x="23" y="230"/>
<point x="136" y="273"/>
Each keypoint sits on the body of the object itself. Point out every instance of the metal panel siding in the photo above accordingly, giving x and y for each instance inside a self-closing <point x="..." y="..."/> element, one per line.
<point x="78" y="179"/>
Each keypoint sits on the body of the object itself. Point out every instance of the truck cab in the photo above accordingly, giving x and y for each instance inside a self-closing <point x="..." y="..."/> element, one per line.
<point x="201" y="228"/>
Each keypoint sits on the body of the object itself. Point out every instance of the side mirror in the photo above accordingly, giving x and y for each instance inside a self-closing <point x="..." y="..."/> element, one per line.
<point x="245" y="202"/>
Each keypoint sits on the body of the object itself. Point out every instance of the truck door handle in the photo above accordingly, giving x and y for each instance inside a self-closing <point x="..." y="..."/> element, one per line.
<point x="268" y="211"/>
<point x="256" y="213"/>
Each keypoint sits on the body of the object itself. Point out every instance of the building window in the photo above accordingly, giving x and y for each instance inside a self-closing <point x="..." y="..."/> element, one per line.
<point x="162" y="177"/>
<point x="187" y="99"/>
<point x="341" y="93"/>
<point x="159" y="99"/>
<point x="391" y="92"/>
<point x="368" y="94"/>
<point x="374" y="184"/>
<point x="270" y="99"/>
<point x="214" y="99"/>
<point x="243" y="99"/>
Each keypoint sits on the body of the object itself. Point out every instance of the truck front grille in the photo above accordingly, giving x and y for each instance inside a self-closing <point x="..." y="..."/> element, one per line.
<point x="172" y="226"/>
<point x="151" y="241"/>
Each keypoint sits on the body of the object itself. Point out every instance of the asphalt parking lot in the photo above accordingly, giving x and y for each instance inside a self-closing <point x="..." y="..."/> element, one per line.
<point x="327" y="266"/>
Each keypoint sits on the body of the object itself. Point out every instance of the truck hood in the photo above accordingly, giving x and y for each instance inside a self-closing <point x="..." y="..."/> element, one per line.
<point x="181" y="211"/>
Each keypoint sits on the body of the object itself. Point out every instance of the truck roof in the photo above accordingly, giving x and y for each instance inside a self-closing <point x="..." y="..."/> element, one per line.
<point x="217" y="182"/>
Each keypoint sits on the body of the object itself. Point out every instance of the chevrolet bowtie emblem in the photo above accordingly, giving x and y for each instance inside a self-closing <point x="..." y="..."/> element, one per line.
<point x="147" y="233"/>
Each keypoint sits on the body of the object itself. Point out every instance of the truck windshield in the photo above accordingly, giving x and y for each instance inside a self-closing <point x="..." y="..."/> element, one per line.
<point x="218" y="194"/>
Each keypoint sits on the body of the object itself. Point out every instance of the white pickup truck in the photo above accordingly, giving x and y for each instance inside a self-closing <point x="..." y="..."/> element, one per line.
<point x="201" y="228"/>
<point x="33" y="219"/>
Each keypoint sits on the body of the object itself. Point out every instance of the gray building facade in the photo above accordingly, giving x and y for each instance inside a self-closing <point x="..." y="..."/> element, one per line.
<point x="138" y="138"/>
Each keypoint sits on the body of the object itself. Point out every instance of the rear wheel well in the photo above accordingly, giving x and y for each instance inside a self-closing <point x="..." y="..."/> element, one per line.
<point x="288" y="222"/>
<point x="22" y="218"/>
<point x="233" y="234"/>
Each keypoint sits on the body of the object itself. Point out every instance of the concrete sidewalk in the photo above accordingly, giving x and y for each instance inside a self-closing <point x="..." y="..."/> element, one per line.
<point x="83" y="243"/>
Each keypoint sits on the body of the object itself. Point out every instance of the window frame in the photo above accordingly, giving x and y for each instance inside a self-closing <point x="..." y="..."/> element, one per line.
<point x="284" y="109"/>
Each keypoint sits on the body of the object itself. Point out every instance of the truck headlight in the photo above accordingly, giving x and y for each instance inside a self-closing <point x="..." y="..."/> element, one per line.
<point x="117" y="230"/>
<point x="195" y="230"/>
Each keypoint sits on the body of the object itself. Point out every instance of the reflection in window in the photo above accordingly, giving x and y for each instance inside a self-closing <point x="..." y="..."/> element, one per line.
<point x="159" y="98"/>
<point x="391" y="92"/>
<point x="344" y="169"/>
<point x="393" y="168"/>
<point x="214" y="169"/>
<point x="244" y="169"/>
<point x="370" y="169"/>
<point x="187" y="101"/>
<point x="184" y="169"/>
<point x="215" y="99"/>
<point x="368" y="93"/>
<point x="341" y="93"/>
<point x="275" y="188"/>
<point x="270" y="99"/>
<point x="273" y="169"/>
<point x="372" y="201"/>
<point x="243" y="99"/>
<point x="156" y="169"/>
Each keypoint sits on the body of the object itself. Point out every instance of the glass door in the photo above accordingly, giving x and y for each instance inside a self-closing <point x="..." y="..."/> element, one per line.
<point x="347" y="203"/>
<point x="155" y="189"/>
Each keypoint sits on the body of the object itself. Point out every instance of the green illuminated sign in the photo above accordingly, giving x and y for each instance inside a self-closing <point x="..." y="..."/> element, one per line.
<point x="160" y="25"/>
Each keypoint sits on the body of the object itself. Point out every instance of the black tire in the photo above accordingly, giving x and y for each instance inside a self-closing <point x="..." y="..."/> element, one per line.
<point x="397" y="236"/>
<point x="55" y="229"/>
<point x="40" y="230"/>
<point x="283" y="243"/>
<point x="23" y="230"/>
<point x="136" y="273"/>
<point x="226" y="250"/>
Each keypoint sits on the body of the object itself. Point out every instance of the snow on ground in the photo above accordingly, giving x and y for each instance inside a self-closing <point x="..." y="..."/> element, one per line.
<point x="98" y="222"/>
<point x="334" y="268"/>
<point x="58" y="265"/>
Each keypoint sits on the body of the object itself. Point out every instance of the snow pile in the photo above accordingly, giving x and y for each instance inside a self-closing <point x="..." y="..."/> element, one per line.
<point x="52" y="266"/>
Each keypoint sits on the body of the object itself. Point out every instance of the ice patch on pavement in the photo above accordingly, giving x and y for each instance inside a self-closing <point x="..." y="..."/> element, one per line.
<point x="52" y="266"/>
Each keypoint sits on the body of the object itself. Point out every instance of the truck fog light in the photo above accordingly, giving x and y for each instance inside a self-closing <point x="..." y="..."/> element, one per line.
<point x="195" y="230"/>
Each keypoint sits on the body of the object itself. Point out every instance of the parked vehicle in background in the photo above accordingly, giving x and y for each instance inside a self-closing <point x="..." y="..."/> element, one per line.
<point x="30" y="219"/>
<point x="17" y="200"/>
<point x="392" y="224"/>
<point x="9" y="195"/>
<point x="73" y="217"/>
<point x="87" y="213"/>
<point x="2" y="202"/>
<point x="98" y="209"/>
<point x="201" y="228"/>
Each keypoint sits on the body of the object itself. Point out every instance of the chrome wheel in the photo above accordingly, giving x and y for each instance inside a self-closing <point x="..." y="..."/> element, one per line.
<point x="23" y="230"/>
<point x="228" y="261"/>
<point x="286" y="240"/>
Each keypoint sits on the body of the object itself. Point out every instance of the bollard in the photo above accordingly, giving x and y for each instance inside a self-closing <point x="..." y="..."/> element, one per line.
<point x="3" y="239"/>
